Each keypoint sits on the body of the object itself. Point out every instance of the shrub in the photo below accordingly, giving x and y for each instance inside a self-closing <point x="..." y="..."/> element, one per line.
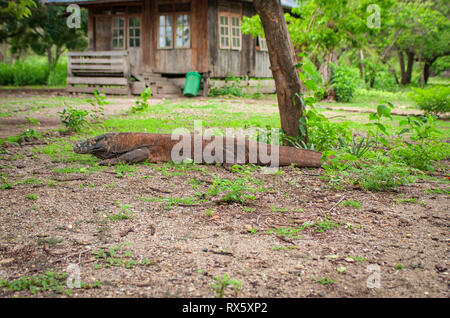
<point x="379" y="77"/>
<point x="344" y="80"/>
<point x="432" y="100"/>
<point x="30" y="72"/>
<point x="378" y="177"/>
<point x="58" y="76"/>
<point x="6" y="74"/>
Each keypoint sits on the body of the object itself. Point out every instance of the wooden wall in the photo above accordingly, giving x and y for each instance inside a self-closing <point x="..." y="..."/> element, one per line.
<point x="182" y="60"/>
<point x="247" y="61"/>
<point x="203" y="56"/>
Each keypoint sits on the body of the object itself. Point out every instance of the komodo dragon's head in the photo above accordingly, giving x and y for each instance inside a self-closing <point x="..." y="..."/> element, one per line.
<point x="92" y="146"/>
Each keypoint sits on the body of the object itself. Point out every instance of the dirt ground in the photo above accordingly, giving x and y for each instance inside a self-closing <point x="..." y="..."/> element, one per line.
<point x="383" y="249"/>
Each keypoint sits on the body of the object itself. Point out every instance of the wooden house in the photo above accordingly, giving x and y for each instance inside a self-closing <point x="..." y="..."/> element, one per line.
<point x="153" y="43"/>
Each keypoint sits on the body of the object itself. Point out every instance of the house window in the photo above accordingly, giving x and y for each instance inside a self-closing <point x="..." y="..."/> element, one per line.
<point x="165" y="31"/>
<point x="182" y="33"/>
<point x="224" y="27"/>
<point x="118" y="38"/>
<point x="236" y="33"/>
<point x="174" y="25"/>
<point x="134" y="31"/>
<point x="230" y="36"/>
<point x="262" y="44"/>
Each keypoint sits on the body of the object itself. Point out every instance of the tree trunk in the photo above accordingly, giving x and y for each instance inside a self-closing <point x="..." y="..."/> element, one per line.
<point x="401" y="61"/>
<point x="409" y="68"/>
<point x="283" y="65"/>
<point x="362" y="66"/>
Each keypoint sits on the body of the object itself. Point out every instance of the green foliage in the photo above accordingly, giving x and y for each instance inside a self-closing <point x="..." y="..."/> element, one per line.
<point x="381" y="133"/>
<point x="379" y="77"/>
<point x="223" y="282"/>
<point x="74" y="119"/>
<point x="124" y="213"/>
<point x="323" y="133"/>
<point x="420" y="156"/>
<point x="237" y="190"/>
<point x="378" y="177"/>
<point x="142" y="102"/>
<point x="232" y="87"/>
<point x="434" y="100"/>
<point x="352" y="204"/>
<point x="357" y="149"/>
<point x="50" y="281"/>
<point x="344" y="80"/>
<point x="117" y="255"/>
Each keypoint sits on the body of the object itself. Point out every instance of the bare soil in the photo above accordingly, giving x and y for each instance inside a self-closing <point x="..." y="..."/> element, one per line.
<point x="187" y="246"/>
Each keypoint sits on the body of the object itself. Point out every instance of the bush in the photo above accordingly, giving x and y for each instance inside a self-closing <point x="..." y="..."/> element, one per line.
<point x="33" y="71"/>
<point x="345" y="80"/>
<point x="6" y="74"/>
<point x="379" y="77"/>
<point x="58" y="77"/>
<point x="379" y="177"/>
<point x="433" y="100"/>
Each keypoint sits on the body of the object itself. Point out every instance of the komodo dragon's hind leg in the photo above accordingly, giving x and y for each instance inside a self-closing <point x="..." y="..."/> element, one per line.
<point x="134" y="156"/>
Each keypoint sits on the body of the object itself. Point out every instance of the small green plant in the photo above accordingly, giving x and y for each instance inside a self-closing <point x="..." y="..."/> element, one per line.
<point x="408" y="200"/>
<point x="142" y="102"/>
<point x="283" y="248"/>
<point x="32" y="121"/>
<point x="123" y="168"/>
<point x="381" y="133"/>
<point x="5" y="184"/>
<point x="117" y="255"/>
<point x="74" y="119"/>
<point x="32" y="196"/>
<point x="223" y="283"/>
<point x="325" y="224"/>
<point x="237" y="190"/>
<point x="357" y="149"/>
<point x="352" y="203"/>
<point x="29" y="134"/>
<point x="324" y="280"/>
<point x="398" y="266"/>
<point x="125" y="213"/>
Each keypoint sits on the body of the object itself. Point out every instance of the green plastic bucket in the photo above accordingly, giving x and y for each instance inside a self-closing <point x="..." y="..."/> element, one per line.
<point x="192" y="84"/>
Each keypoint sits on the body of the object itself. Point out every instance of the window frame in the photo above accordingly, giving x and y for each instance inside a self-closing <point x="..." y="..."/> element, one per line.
<point x="231" y="11"/>
<point x="159" y="31"/>
<point x="260" y="46"/>
<point x="182" y="14"/>
<point x="125" y="38"/>
<point x="174" y="25"/>
<point x="134" y="16"/>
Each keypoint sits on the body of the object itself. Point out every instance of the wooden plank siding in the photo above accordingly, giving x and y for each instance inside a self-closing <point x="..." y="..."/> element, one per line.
<point x="203" y="55"/>
<point x="247" y="61"/>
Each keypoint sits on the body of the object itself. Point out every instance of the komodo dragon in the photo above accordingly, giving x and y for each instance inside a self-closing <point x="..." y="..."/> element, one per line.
<point x="115" y="148"/>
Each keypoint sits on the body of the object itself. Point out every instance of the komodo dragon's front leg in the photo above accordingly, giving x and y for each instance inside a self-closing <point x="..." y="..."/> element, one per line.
<point x="134" y="156"/>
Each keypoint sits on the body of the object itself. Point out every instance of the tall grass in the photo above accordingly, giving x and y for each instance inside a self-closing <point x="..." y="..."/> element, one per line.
<point x="33" y="71"/>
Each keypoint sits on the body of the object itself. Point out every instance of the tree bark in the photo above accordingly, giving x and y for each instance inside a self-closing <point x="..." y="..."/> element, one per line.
<point x="401" y="61"/>
<point x="283" y="65"/>
<point x="409" y="68"/>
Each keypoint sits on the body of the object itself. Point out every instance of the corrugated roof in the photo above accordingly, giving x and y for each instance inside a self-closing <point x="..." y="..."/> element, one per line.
<point x="284" y="3"/>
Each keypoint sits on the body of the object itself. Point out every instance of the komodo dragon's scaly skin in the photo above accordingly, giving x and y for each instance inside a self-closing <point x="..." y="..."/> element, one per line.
<point x="117" y="148"/>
